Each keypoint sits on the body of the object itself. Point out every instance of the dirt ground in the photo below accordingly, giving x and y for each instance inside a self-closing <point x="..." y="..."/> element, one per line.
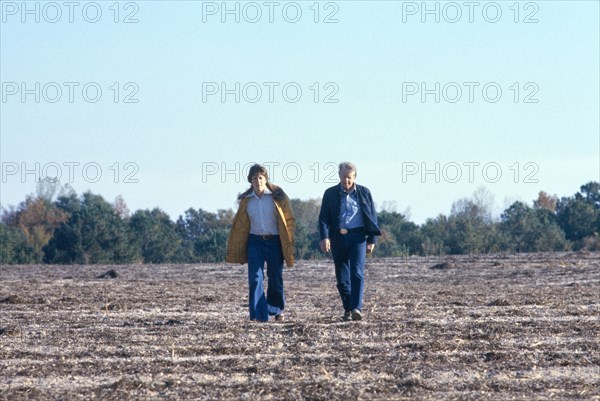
<point x="524" y="327"/>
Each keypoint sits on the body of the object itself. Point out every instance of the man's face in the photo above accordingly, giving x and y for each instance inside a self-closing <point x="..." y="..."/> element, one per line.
<point x="259" y="183"/>
<point x="347" y="179"/>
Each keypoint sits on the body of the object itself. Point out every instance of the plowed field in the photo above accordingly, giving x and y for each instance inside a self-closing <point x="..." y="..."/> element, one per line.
<point x="523" y="327"/>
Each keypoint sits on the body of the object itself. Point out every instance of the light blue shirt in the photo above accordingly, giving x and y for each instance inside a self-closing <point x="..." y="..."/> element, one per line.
<point x="351" y="215"/>
<point x="262" y="214"/>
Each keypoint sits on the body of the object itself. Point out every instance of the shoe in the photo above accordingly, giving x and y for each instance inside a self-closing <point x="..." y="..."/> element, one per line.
<point x="279" y="318"/>
<point x="356" y="314"/>
<point x="347" y="316"/>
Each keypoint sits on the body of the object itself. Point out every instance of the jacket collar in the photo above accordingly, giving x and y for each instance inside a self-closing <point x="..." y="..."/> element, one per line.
<point x="277" y="192"/>
<point x="252" y="194"/>
<point x="343" y="191"/>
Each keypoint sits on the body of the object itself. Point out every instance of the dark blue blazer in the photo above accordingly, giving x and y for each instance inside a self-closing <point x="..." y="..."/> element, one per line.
<point x="329" y="217"/>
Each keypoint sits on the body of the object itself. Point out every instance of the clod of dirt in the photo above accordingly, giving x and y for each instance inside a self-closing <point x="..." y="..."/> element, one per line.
<point x="411" y="383"/>
<point x="442" y="266"/>
<point x="8" y="331"/>
<point x="109" y="274"/>
<point x="11" y="299"/>
<point x="170" y="322"/>
<point x="499" y="302"/>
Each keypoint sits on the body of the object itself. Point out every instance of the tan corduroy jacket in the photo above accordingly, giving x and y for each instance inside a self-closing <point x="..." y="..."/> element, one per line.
<point x="237" y="243"/>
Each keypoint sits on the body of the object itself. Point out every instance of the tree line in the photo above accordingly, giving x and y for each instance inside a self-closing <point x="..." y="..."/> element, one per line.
<point x="56" y="225"/>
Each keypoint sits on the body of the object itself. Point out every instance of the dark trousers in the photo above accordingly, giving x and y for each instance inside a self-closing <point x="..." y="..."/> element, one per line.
<point x="261" y="251"/>
<point x="349" y="255"/>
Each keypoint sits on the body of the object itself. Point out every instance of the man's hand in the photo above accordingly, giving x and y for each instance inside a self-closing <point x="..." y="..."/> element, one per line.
<point x="325" y="245"/>
<point x="370" y="248"/>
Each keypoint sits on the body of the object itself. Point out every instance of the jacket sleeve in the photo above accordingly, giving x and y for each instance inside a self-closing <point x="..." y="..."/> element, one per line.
<point x="290" y="219"/>
<point x="287" y="229"/>
<point x="238" y="238"/>
<point x="325" y="217"/>
<point x="372" y="238"/>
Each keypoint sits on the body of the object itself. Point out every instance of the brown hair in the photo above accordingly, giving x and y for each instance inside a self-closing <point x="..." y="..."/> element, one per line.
<point x="257" y="169"/>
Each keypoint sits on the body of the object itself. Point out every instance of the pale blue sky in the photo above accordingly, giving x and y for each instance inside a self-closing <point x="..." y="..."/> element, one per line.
<point x="172" y="137"/>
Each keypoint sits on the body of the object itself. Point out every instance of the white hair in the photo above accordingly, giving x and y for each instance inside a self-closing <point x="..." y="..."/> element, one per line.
<point x="346" y="166"/>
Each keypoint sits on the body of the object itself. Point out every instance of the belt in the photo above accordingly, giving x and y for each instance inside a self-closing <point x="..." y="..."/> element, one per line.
<point x="266" y="237"/>
<point x="345" y="231"/>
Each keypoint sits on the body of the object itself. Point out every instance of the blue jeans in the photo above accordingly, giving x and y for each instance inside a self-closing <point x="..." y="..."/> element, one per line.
<point x="261" y="251"/>
<point x="349" y="255"/>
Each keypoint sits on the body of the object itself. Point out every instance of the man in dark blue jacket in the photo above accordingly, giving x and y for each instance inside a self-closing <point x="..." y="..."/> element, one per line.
<point x="348" y="227"/>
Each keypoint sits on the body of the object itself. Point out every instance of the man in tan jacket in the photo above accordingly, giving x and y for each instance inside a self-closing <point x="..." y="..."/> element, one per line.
<point x="263" y="231"/>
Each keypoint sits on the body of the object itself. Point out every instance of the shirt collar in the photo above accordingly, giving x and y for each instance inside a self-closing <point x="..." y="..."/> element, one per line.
<point x="342" y="190"/>
<point x="253" y="194"/>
